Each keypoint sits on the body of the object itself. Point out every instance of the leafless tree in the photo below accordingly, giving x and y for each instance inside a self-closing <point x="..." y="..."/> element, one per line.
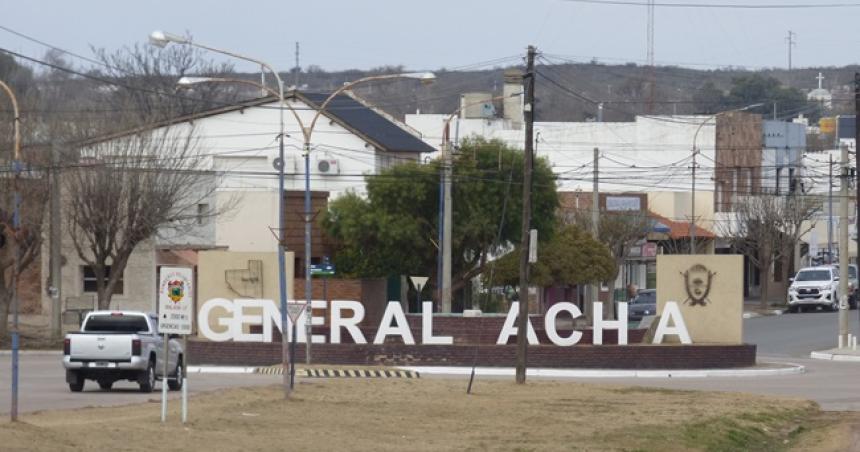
<point x="619" y="231"/>
<point x="19" y="243"/>
<point x="147" y="77"/>
<point x="127" y="189"/>
<point x="767" y="228"/>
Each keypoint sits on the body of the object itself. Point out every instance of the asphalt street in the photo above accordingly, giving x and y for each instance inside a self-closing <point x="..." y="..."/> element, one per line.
<point x="43" y="386"/>
<point x="784" y="338"/>
<point x="796" y="335"/>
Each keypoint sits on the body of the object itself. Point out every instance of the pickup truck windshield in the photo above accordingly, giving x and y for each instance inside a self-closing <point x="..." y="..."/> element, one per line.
<point x="813" y="275"/>
<point x="116" y="323"/>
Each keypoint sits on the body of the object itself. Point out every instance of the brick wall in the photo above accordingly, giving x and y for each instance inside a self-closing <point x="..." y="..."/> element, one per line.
<point x="467" y="331"/>
<point x="590" y="357"/>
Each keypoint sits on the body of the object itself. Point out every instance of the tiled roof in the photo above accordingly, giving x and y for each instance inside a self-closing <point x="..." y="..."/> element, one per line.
<point x="679" y="229"/>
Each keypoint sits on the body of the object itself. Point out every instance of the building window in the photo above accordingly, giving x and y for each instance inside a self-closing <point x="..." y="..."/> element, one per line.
<point x="202" y="213"/>
<point x="89" y="280"/>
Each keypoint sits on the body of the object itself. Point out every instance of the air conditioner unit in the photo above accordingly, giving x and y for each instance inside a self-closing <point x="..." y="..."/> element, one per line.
<point x="328" y="166"/>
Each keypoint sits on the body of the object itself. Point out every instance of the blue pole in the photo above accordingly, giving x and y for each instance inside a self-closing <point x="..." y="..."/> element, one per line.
<point x="16" y="225"/>
<point x="308" y="217"/>
<point x="282" y="277"/>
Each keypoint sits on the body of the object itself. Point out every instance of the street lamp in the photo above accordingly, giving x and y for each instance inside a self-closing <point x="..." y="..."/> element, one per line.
<point x="162" y="39"/>
<point x="16" y="225"/>
<point x="307" y="133"/>
<point x="445" y="229"/>
<point x="693" y="179"/>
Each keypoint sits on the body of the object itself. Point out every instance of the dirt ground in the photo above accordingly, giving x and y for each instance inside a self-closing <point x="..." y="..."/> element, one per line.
<point x="425" y="414"/>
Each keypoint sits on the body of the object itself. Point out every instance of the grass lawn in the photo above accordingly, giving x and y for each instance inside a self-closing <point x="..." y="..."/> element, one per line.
<point x="433" y="415"/>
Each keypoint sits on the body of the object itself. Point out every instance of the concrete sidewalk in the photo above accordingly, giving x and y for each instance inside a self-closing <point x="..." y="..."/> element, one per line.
<point x="761" y="370"/>
<point x="837" y="354"/>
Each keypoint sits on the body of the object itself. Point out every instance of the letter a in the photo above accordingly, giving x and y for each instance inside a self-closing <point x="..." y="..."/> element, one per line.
<point x="510" y="329"/>
<point x="672" y="312"/>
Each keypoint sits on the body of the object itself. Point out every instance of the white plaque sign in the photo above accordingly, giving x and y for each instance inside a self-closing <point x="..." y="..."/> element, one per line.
<point x="175" y="300"/>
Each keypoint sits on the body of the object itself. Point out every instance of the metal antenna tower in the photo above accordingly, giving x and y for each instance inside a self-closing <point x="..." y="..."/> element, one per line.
<point x="650" y="57"/>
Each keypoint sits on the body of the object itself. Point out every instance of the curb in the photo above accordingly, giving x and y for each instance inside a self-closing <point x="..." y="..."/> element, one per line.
<point x="835" y="357"/>
<point x="787" y="369"/>
<point x="416" y="372"/>
<point x="341" y="373"/>
<point x="33" y="352"/>
<point x="307" y="373"/>
<point x="753" y="314"/>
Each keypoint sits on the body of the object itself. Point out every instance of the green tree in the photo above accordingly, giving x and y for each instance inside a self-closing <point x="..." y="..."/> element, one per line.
<point x="570" y="257"/>
<point x="708" y="99"/>
<point x="394" y="229"/>
<point x="753" y="89"/>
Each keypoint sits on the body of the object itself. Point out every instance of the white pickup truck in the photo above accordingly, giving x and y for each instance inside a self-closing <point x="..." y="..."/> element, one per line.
<point x="120" y="345"/>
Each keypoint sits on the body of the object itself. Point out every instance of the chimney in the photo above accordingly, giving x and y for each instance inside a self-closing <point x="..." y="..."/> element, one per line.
<point x="512" y="105"/>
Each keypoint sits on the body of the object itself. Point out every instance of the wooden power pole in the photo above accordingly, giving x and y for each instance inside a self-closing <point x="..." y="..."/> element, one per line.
<point x="529" y="117"/>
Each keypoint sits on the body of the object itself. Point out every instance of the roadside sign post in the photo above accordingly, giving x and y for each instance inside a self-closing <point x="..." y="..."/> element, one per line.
<point x="175" y="316"/>
<point x="294" y="311"/>
<point x="418" y="282"/>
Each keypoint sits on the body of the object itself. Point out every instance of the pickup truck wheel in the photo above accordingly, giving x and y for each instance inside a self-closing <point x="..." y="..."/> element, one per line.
<point x="834" y="306"/>
<point x="175" y="380"/>
<point x="77" y="386"/>
<point x="147" y="378"/>
<point x="105" y="385"/>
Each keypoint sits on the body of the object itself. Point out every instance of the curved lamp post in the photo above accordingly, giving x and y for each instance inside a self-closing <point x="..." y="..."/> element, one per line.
<point x="162" y="39"/>
<point x="16" y="224"/>
<point x="693" y="179"/>
<point x="446" y="203"/>
<point x="307" y="133"/>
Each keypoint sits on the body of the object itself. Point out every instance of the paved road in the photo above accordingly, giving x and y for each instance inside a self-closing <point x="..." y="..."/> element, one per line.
<point x="43" y="386"/>
<point x="786" y="338"/>
<point x="795" y="335"/>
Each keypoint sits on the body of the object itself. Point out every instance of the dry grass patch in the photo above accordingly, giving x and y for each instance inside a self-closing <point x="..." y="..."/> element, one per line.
<point x="417" y="415"/>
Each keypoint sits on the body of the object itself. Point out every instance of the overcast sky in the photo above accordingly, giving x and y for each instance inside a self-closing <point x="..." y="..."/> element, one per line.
<point x="446" y="33"/>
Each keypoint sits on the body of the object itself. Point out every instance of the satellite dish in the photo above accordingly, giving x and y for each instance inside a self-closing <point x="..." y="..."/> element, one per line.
<point x="278" y="163"/>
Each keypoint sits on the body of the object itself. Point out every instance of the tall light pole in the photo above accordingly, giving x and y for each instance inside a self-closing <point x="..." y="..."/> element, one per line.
<point x="16" y="225"/>
<point x="307" y="134"/>
<point x="695" y="151"/>
<point x="162" y="39"/>
<point x="445" y="229"/>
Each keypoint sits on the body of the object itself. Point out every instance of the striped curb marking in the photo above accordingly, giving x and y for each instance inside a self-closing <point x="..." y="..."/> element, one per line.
<point x="339" y="373"/>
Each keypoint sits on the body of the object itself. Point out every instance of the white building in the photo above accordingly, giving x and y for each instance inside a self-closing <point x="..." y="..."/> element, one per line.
<point x="240" y="143"/>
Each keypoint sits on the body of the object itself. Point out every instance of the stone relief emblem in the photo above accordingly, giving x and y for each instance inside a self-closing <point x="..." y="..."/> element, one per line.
<point x="697" y="281"/>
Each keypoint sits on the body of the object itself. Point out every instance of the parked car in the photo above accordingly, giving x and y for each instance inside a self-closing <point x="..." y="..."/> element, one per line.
<point x="814" y="287"/>
<point x="120" y="345"/>
<point x="643" y="304"/>
<point x="853" y="285"/>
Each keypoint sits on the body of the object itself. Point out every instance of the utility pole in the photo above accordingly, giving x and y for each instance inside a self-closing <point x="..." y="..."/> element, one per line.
<point x="447" y="204"/>
<point x="830" y="214"/>
<point x="693" y="207"/>
<point x="857" y="164"/>
<point x="55" y="290"/>
<point x="791" y="43"/>
<point x="529" y="117"/>
<point x="594" y="289"/>
<point x="298" y="69"/>
<point x="843" y="250"/>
